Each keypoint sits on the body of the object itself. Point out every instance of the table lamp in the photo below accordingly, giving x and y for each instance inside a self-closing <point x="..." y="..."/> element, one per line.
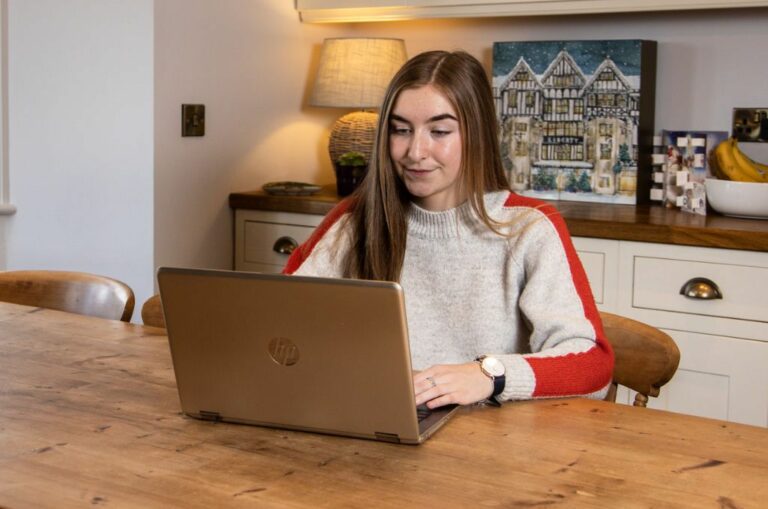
<point x="354" y="74"/>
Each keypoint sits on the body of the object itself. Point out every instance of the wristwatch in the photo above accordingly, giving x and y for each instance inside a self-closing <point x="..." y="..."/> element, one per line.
<point x="494" y="369"/>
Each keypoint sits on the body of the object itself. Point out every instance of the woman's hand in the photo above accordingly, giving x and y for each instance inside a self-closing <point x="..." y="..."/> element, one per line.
<point x="451" y="383"/>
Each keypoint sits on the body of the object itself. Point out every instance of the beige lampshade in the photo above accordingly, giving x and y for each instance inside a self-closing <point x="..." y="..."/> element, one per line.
<point x="354" y="72"/>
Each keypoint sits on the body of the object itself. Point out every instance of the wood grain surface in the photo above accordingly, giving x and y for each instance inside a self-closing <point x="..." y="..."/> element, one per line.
<point x="641" y="223"/>
<point x="89" y="417"/>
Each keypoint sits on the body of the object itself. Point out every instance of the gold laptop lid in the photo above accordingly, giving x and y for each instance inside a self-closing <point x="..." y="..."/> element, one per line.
<point x="315" y="354"/>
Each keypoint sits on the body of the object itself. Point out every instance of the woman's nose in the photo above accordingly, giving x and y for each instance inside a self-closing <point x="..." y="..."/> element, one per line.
<point x="417" y="150"/>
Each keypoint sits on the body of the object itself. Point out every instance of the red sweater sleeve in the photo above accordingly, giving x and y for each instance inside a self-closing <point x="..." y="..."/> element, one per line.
<point x="573" y="373"/>
<point x="301" y="253"/>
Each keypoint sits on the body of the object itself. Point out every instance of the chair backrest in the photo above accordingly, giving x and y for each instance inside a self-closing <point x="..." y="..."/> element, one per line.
<point x="74" y="292"/>
<point x="152" y="312"/>
<point x="646" y="358"/>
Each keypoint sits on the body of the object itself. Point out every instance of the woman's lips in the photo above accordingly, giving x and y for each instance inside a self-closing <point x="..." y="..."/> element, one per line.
<point x="418" y="171"/>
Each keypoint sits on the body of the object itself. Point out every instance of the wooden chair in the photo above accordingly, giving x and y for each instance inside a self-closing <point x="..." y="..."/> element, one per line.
<point x="74" y="292"/>
<point x="152" y="312"/>
<point x="646" y="358"/>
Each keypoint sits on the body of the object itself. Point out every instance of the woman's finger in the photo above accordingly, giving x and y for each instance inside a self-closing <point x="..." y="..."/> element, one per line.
<point x="445" y="399"/>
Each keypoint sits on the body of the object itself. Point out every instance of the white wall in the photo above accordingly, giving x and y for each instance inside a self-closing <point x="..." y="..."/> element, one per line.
<point x="251" y="63"/>
<point x="708" y="61"/>
<point x="248" y="62"/>
<point x="81" y="138"/>
<point x="82" y="99"/>
<point x="6" y="208"/>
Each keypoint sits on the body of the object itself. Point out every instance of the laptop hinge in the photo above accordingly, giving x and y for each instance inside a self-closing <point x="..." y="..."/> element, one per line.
<point x="388" y="437"/>
<point x="210" y="416"/>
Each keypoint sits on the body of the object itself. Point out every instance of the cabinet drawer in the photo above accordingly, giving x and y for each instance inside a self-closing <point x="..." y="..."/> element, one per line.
<point x="261" y="240"/>
<point x="652" y="275"/>
<point x="257" y="234"/>
<point x="658" y="282"/>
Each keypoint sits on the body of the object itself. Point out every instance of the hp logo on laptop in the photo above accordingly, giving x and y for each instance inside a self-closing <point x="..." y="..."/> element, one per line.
<point x="284" y="351"/>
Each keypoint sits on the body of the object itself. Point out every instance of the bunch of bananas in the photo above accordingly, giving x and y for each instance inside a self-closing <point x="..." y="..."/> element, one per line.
<point x="730" y="163"/>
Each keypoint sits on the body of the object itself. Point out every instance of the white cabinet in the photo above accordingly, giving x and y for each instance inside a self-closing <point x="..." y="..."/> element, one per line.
<point x="723" y="343"/>
<point x="326" y="11"/>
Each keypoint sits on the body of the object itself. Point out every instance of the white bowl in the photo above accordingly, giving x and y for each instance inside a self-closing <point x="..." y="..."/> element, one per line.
<point x="739" y="199"/>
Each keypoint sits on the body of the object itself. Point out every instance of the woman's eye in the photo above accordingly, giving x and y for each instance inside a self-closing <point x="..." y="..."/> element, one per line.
<point x="400" y="131"/>
<point x="440" y="133"/>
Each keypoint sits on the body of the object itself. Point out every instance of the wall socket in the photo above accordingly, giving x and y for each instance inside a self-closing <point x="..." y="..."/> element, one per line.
<point x="193" y="119"/>
<point x="750" y="124"/>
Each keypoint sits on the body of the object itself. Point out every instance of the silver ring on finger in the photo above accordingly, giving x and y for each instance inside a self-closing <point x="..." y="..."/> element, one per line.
<point x="432" y="382"/>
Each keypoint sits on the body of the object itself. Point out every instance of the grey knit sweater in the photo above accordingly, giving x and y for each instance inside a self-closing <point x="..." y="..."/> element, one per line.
<point x="522" y="296"/>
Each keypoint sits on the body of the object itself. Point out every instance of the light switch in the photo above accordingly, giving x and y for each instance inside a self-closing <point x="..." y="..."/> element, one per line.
<point x="193" y="120"/>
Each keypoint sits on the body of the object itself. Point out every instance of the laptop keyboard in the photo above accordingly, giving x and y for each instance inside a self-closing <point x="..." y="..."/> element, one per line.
<point x="422" y="412"/>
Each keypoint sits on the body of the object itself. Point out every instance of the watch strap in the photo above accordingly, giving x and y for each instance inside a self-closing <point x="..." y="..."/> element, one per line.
<point x="498" y="385"/>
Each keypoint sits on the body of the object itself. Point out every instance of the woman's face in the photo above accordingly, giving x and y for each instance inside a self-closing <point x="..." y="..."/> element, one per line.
<point x="425" y="145"/>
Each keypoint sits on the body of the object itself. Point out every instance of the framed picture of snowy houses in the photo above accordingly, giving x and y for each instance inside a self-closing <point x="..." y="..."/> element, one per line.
<point x="576" y="118"/>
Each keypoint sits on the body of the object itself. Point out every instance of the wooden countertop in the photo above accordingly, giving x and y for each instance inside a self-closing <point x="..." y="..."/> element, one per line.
<point x="90" y="418"/>
<point x="642" y="223"/>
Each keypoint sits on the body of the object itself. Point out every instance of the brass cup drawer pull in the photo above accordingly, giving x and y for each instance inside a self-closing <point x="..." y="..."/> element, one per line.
<point x="701" y="288"/>
<point x="285" y="245"/>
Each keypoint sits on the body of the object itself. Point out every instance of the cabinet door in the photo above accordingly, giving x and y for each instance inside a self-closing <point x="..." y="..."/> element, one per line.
<point x="718" y="377"/>
<point x="600" y="259"/>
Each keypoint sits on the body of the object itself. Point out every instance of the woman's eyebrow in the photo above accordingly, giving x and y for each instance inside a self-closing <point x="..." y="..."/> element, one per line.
<point x="436" y="118"/>
<point x="443" y="116"/>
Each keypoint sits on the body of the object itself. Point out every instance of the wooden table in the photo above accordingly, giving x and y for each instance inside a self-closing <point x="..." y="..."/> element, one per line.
<point x="89" y="417"/>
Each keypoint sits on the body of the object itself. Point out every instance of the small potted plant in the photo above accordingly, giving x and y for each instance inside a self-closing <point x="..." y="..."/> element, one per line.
<point x="350" y="170"/>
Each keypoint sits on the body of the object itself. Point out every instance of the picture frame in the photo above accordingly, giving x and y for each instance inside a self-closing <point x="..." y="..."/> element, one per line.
<point x="687" y="166"/>
<point x="750" y="124"/>
<point x="576" y="118"/>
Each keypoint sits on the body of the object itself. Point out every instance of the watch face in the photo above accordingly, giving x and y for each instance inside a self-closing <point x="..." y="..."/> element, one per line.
<point x="493" y="366"/>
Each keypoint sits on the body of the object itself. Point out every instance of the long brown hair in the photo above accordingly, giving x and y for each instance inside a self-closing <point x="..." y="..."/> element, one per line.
<point x="379" y="210"/>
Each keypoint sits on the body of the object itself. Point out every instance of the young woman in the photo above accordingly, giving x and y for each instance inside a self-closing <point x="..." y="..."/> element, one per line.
<point x="497" y="302"/>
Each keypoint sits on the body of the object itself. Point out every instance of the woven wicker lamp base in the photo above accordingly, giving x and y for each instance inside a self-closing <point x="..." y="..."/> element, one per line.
<point x="353" y="132"/>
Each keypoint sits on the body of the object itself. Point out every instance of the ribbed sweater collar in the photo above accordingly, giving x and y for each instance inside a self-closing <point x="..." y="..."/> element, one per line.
<point x="452" y="222"/>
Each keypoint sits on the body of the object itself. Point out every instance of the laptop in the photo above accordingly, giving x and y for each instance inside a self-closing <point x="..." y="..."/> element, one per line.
<point x="301" y="353"/>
